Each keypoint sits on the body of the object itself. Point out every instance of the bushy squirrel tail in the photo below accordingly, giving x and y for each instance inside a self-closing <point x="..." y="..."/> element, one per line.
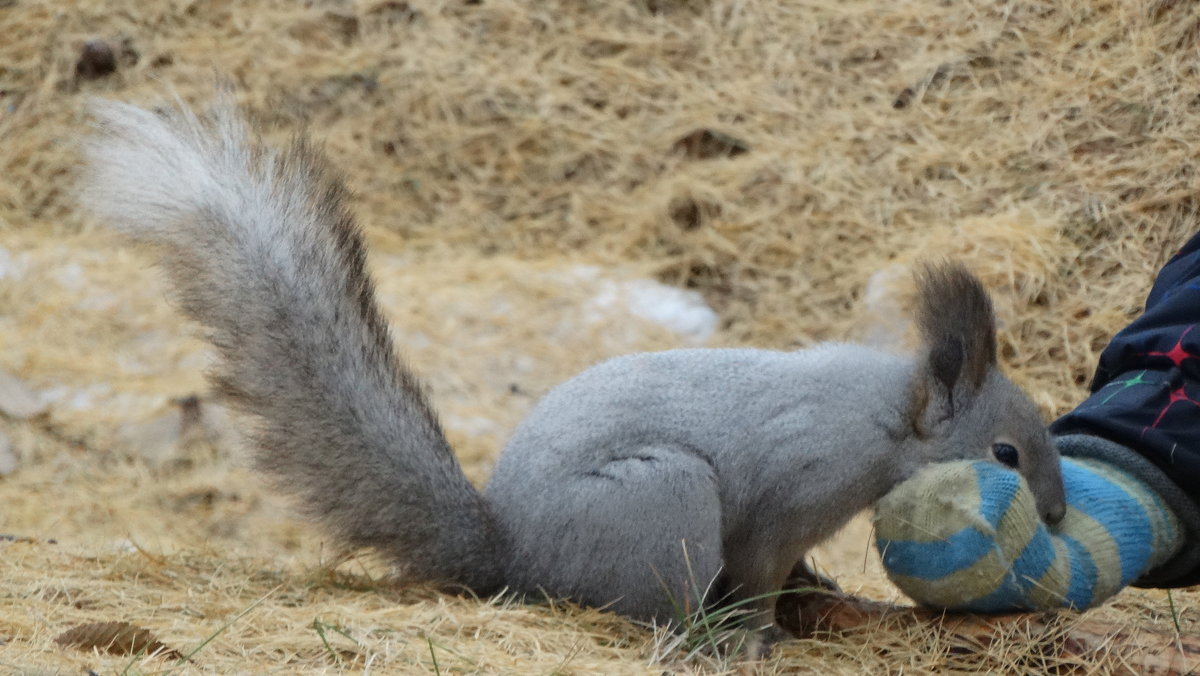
<point x="261" y="248"/>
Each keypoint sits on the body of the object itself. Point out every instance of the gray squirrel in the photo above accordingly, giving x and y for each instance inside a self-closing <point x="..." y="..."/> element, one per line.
<point x="647" y="484"/>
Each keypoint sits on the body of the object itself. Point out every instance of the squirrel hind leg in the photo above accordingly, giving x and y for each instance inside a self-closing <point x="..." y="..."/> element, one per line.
<point x="640" y="535"/>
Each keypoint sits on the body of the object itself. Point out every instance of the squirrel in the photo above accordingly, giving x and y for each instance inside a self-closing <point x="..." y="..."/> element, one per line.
<point x="646" y="484"/>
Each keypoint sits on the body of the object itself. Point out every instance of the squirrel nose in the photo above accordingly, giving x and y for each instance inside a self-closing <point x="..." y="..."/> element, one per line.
<point x="1055" y="514"/>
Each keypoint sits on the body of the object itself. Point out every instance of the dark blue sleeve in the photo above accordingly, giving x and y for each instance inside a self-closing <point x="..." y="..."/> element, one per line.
<point x="1146" y="392"/>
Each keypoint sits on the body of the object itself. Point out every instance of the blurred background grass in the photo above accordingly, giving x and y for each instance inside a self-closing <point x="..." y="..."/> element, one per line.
<point x="785" y="161"/>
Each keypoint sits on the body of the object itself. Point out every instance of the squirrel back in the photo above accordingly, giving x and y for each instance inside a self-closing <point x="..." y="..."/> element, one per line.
<point x="651" y="484"/>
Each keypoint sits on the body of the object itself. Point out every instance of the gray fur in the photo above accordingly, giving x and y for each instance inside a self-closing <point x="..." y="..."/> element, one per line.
<point x="650" y="483"/>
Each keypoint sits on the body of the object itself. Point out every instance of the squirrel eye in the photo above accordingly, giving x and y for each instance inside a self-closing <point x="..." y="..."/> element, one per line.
<point x="1006" y="454"/>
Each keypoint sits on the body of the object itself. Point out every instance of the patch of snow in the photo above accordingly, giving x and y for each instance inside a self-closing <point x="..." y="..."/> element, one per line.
<point x="886" y="323"/>
<point x="156" y="440"/>
<point x="99" y="302"/>
<point x="70" y="276"/>
<point x="678" y="310"/>
<point x="8" y="459"/>
<point x="8" y="266"/>
<point x="77" y="398"/>
<point x="525" y="364"/>
<point x="18" y="400"/>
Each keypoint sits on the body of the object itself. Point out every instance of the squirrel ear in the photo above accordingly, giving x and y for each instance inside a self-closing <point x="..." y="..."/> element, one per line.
<point x="957" y="323"/>
<point x="945" y="360"/>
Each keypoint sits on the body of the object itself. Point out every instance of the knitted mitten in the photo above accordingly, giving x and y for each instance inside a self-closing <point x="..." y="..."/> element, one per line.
<point x="966" y="536"/>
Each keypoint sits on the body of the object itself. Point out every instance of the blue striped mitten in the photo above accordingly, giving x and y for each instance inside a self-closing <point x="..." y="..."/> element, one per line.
<point x="966" y="536"/>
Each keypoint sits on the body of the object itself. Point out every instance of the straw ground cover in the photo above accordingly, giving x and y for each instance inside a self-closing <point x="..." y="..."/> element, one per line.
<point x="784" y="160"/>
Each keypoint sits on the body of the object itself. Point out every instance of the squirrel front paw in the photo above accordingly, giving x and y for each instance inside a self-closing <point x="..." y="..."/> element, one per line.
<point x="760" y="643"/>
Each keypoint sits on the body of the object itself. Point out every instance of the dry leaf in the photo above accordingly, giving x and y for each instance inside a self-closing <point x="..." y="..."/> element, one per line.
<point x="116" y="638"/>
<point x="706" y="144"/>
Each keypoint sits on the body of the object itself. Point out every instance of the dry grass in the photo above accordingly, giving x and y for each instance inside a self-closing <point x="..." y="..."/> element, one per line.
<point x="494" y="144"/>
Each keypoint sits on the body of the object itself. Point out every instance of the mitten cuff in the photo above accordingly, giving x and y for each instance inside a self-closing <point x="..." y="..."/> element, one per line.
<point x="1182" y="569"/>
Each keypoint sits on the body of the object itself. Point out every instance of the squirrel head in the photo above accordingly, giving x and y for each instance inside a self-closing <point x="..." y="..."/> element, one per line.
<point x="960" y="405"/>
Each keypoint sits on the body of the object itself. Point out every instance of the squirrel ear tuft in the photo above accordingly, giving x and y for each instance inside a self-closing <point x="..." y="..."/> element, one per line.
<point x="956" y="319"/>
<point x="958" y="326"/>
